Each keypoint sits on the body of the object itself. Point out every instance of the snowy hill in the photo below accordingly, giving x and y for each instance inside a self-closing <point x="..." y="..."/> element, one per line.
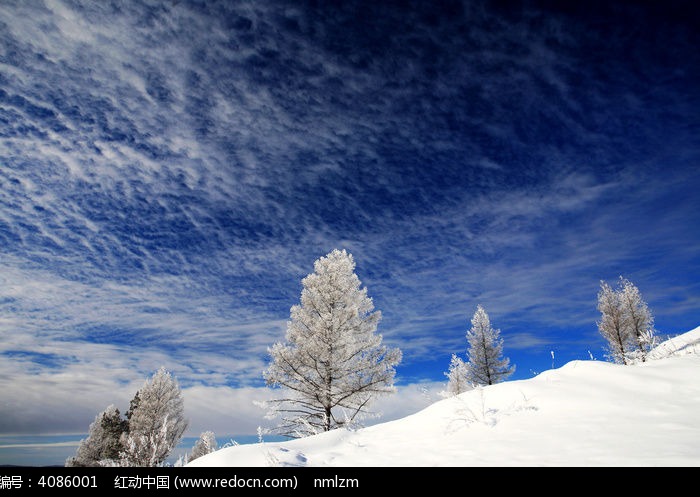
<point x="586" y="413"/>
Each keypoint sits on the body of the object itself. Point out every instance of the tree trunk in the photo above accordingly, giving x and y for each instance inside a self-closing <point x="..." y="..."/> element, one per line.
<point x="327" y="426"/>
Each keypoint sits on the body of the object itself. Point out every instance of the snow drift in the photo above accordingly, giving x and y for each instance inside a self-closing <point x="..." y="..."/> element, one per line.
<point x="586" y="413"/>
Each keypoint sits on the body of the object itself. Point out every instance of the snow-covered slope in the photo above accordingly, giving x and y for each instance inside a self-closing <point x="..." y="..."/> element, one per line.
<point x="586" y="413"/>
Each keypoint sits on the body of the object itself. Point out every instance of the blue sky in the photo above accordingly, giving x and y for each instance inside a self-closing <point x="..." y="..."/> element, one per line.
<point x="169" y="172"/>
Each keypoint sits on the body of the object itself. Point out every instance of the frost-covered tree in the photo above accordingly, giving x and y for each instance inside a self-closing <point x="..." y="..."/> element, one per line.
<point x="203" y="446"/>
<point x="611" y="325"/>
<point x="332" y="364"/>
<point x="156" y="422"/>
<point x="113" y="427"/>
<point x="457" y="377"/>
<point x="103" y="441"/>
<point x="626" y="322"/>
<point x="133" y="404"/>
<point x="638" y="320"/>
<point x="485" y="362"/>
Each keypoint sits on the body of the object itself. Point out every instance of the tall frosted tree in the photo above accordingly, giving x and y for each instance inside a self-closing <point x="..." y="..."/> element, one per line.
<point x="457" y="381"/>
<point x="638" y="319"/>
<point x="103" y="442"/>
<point x="333" y="363"/>
<point x="626" y="322"/>
<point x="611" y="325"/>
<point x="485" y="362"/>
<point x="156" y="422"/>
<point x="114" y="427"/>
<point x="203" y="446"/>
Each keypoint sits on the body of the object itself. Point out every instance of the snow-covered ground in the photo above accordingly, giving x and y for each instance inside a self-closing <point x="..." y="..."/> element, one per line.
<point x="586" y="413"/>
